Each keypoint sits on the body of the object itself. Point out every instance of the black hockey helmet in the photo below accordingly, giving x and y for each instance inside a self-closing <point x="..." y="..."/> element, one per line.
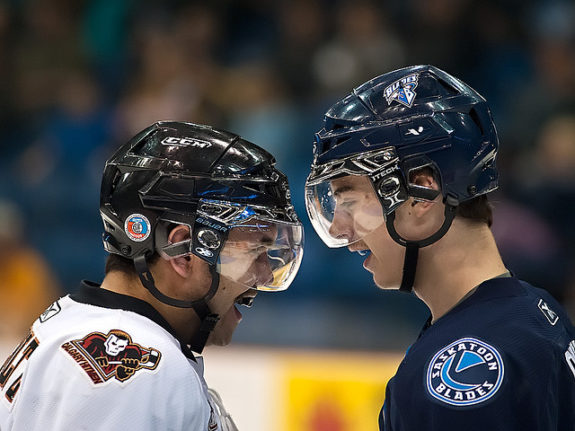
<point x="220" y="185"/>
<point x="392" y="125"/>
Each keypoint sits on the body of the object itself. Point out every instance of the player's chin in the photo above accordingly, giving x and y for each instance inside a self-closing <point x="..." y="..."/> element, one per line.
<point x="224" y="330"/>
<point x="384" y="283"/>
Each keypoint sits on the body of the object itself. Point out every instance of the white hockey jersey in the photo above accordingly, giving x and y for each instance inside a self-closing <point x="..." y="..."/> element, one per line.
<point x="97" y="360"/>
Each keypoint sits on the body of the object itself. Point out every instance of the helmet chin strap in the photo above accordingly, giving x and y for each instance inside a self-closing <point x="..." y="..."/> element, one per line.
<point x="208" y="319"/>
<point x="412" y="247"/>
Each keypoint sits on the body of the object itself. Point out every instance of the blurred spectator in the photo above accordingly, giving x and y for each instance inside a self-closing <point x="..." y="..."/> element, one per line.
<point x="363" y="46"/>
<point x="544" y="180"/>
<point x="174" y="70"/>
<point x="433" y="30"/>
<point x="27" y="285"/>
<point x="251" y="30"/>
<point x="46" y="46"/>
<point x="495" y="59"/>
<point x="260" y="110"/>
<point x="552" y="88"/>
<point x="105" y="34"/>
<point x="530" y="246"/>
<point x="303" y="28"/>
<point x="58" y="176"/>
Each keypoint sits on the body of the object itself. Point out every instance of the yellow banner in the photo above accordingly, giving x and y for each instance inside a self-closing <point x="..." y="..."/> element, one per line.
<point x="334" y="392"/>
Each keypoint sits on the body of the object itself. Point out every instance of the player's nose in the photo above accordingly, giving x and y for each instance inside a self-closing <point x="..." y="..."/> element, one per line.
<point x="341" y="227"/>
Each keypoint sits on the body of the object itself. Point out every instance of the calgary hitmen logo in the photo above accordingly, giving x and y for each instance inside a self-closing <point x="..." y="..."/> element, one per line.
<point x="466" y="372"/>
<point x="113" y="355"/>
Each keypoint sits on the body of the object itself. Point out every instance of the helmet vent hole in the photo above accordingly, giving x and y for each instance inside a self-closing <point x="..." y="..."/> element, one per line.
<point x="476" y="120"/>
<point x="335" y="142"/>
<point x="116" y="180"/>
<point x="452" y="91"/>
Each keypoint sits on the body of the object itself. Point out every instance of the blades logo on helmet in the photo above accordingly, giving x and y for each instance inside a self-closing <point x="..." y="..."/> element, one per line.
<point x="402" y="90"/>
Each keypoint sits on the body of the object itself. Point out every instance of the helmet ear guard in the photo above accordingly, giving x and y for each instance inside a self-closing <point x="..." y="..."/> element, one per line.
<point x="393" y="188"/>
<point x="205" y="241"/>
<point x="418" y="165"/>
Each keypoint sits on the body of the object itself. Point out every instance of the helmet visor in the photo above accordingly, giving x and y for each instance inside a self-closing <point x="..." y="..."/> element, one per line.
<point x="262" y="254"/>
<point x="343" y="210"/>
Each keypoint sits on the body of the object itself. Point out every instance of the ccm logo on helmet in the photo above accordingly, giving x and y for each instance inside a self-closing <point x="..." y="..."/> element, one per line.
<point x="184" y="142"/>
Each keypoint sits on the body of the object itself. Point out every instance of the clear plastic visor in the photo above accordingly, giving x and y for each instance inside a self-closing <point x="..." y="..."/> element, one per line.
<point x="343" y="210"/>
<point x="262" y="255"/>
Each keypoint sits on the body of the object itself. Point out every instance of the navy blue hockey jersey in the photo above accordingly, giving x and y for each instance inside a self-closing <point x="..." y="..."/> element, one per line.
<point x="502" y="359"/>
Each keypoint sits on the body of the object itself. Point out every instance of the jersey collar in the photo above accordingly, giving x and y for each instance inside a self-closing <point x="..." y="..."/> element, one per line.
<point x="91" y="293"/>
<point x="505" y="285"/>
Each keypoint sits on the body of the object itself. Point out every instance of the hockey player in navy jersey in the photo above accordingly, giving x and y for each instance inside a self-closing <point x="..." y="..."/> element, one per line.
<point x="401" y="172"/>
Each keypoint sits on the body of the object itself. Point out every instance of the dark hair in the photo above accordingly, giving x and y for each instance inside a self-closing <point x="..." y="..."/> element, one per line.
<point x="115" y="262"/>
<point x="477" y="209"/>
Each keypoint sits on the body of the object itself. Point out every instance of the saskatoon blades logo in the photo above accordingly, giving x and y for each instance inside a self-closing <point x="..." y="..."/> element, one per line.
<point x="464" y="373"/>
<point x="402" y="90"/>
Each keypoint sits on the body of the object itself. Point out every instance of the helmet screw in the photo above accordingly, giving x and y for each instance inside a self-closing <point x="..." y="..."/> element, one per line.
<point x="472" y="190"/>
<point x="126" y="249"/>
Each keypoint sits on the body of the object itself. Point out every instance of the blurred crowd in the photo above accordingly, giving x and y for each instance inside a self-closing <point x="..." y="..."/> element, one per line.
<point x="79" y="77"/>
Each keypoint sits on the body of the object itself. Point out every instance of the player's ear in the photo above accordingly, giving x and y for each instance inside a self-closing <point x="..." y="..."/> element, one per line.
<point x="182" y="265"/>
<point x="423" y="178"/>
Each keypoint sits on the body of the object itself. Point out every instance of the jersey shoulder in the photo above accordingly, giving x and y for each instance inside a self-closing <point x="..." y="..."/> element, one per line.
<point x="113" y="361"/>
<point x="510" y="310"/>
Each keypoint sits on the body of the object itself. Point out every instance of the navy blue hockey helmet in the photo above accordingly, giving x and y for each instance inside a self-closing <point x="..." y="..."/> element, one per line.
<point x="389" y="127"/>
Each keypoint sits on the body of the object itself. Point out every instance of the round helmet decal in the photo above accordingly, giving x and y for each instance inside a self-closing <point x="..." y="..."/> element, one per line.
<point x="137" y="227"/>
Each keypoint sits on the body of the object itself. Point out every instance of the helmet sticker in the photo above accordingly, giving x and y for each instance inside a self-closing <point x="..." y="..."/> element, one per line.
<point x="204" y="252"/>
<point x="186" y="142"/>
<point x="466" y="372"/>
<point x="137" y="227"/>
<point x="402" y="90"/>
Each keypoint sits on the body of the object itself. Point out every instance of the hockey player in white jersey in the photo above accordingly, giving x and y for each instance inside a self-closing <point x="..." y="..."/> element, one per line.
<point x="196" y="220"/>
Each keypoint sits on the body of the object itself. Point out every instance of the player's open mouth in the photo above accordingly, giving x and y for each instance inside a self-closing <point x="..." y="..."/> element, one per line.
<point x="246" y="299"/>
<point x="360" y="251"/>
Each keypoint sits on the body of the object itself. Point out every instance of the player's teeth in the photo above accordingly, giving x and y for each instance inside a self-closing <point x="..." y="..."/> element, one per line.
<point x="246" y="301"/>
<point x="362" y="252"/>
